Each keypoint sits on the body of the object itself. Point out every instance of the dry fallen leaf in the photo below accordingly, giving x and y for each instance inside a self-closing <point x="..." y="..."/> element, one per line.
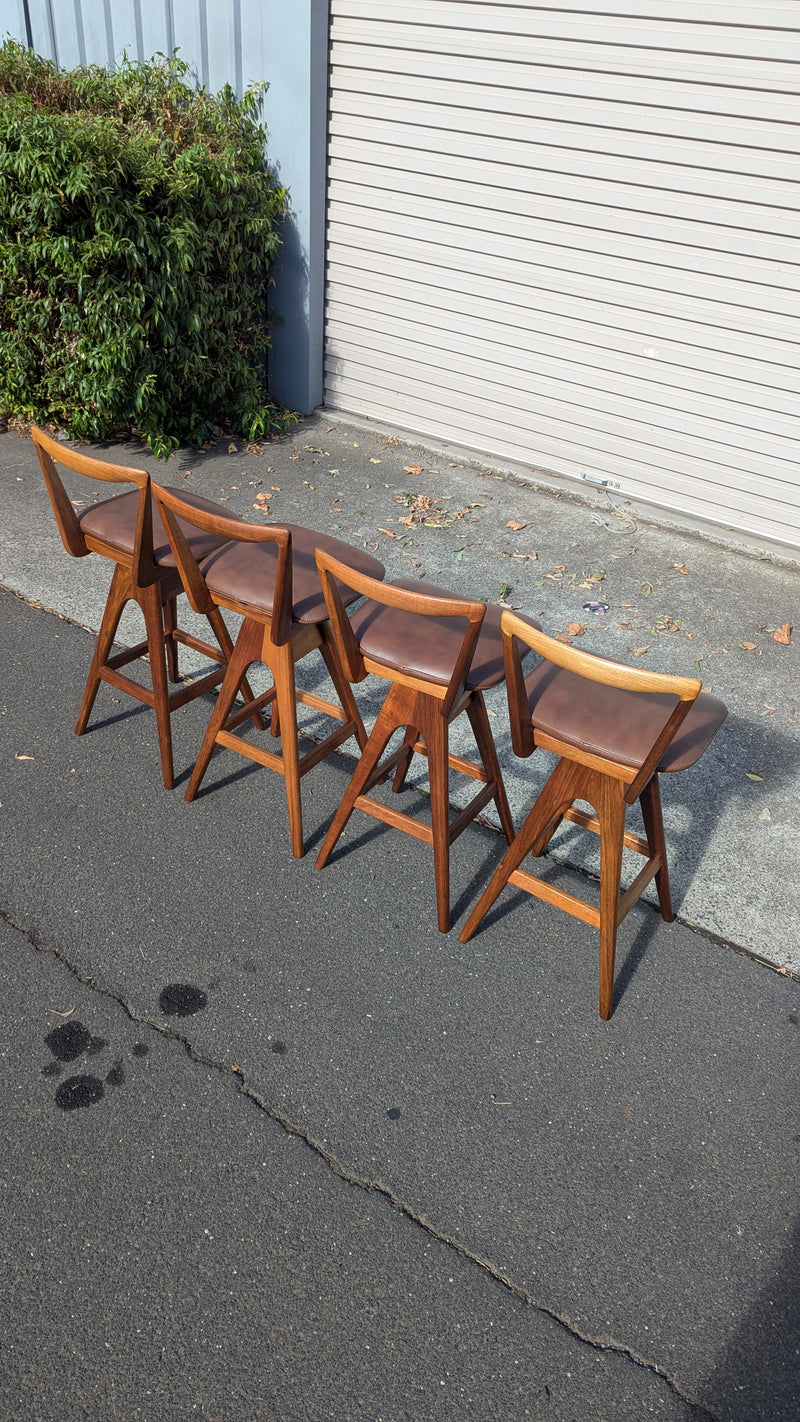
<point x="765" y="814"/>
<point x="783" y="634"/>
<point x="640" y="651"/>
<point x="748" y="646"/>
<point x="515" y="526"/>
<point x="312" y="487"/>
<point x="233" y="449"/>
<point x="562" y="638"/>
<point x="374" y="461"/>
<point x="751" y="776"/>
<point x="17" y="756"/>
<point x="576" y="629"/>
<point x="679" y="568"/>
<point x="388" y="532"/>
<point x="413" y="469"/>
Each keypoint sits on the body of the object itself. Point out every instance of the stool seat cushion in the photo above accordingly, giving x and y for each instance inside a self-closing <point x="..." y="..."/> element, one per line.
<point x="244" y="573"/>
<point x="428" y="647"/>
<point x="114" y="521"/>
<point x="617" y="724"/>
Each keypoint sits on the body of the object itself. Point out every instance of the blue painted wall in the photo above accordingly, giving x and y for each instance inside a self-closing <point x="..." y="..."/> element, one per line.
<point x="235" y="42"/>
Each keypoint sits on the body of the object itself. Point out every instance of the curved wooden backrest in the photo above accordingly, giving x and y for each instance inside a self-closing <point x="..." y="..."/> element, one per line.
<point x="406" y="600"/>
<point x="52" y="452"/>
<point x="232" y="530"/>
<point x="593" y="669"/>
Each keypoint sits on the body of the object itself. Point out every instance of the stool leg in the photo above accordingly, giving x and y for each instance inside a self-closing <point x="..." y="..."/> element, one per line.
<point x="544" y="839"/>
<point x="484" y="740"/>
<point x="610" y="808"/>
<point x="435" y="735"/>
<point x="246" y="651"/>
<point x="403" y="766"/>
<point x="559" y="792"/>
<point x="120" y="592"/>
<point x="219" y="627"/>
<point x="281" y="665"/>
<point x="149" y="600"/>
<point x="344" y="690"/>
<point x="170" y="628"/>
<point x="385" y="726"/>
<point x="650" y="801"/>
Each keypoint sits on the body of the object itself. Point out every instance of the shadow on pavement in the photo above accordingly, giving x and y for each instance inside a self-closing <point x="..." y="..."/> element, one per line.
<point x="758" y="1378"/>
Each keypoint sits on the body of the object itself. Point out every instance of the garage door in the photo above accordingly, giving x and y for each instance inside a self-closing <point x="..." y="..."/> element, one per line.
<point x="568" y="237"/>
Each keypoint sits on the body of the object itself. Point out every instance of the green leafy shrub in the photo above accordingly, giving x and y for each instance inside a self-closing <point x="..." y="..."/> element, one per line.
<point x="137" y="227"/>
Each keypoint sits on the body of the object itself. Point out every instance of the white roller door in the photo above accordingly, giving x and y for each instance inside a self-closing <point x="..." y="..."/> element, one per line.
<point x="568" y="237"/>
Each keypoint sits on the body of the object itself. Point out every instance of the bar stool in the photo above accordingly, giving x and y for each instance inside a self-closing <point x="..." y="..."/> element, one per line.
<point x="615" y="729"/>
<point x="439" y="652"/>
<point x="268" y="575"/>
<point x="123" y="529"/>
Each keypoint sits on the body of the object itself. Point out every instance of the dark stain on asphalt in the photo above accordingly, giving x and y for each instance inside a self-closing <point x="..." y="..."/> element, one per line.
<point x="278" y="1047"/>
<point x="393" y="1113"/>
<point x="181" y="1000"/>
<point x="71" y="1040"/>
<point x="79" y="1091"/>
<point x="140" y="1049"/>
<point x="115" y="1076"/>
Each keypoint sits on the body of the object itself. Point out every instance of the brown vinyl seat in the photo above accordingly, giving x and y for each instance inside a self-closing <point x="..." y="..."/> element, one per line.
<point x="615" y="729"/>
<point x="439" y="652"/>
<point x="125" y="529"/>
<point x="267" y="574"/>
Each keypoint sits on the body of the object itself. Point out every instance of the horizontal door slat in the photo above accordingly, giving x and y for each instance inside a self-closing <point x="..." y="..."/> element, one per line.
<point x="751" y="337"/>
<point x="699" y="273"/>
<point x="352" y="295"/>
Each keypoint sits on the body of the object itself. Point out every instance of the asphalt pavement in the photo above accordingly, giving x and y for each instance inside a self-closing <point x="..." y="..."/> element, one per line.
<point x="277" y="1148"/>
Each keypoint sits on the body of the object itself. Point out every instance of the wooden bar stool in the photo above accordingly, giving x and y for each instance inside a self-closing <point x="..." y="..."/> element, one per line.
<point x="615" y="729"/>
<point x="123" y="528"/>
<point x="439" y="652"/>
<point x="268" y="575"/>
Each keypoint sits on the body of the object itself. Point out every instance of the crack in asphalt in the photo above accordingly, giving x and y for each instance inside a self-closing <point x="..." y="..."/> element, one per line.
<point x="375" y="1187"/>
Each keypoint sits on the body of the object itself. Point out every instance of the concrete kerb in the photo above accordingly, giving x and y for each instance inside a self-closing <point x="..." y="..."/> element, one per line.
<point x="685" y="603"/>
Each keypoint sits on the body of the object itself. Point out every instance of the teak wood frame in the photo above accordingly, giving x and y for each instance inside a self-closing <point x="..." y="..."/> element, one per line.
<point x="273" y="638"/>
<point x="605" y="784"/>
<point x="426" y="709"/>
<point x="137" y="578"/>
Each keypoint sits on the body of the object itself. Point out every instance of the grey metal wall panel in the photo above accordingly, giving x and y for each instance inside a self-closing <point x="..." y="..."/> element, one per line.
<point x="43" y="36"/>
<point x="567" y="235"/>
<point x="13" y="19"/>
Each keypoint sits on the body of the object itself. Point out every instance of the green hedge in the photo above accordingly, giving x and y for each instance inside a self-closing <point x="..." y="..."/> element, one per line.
<point x="137" y="227"/>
